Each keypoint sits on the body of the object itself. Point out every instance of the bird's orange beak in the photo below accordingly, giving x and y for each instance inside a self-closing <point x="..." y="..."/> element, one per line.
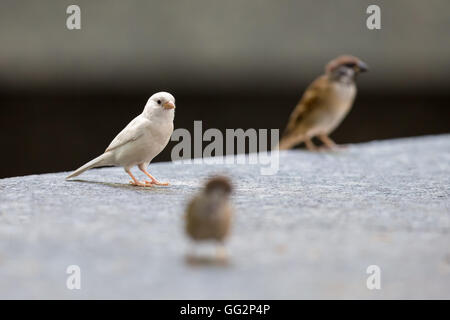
<point x="168" y="105"/>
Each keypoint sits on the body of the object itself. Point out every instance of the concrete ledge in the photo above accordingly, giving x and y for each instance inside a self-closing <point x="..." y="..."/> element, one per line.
<point x="308" y="232"/>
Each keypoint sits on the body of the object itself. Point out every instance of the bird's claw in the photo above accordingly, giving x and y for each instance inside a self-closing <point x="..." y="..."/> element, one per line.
<point x="140" y="184"/>
<point x="155" y="182"/>
<point x="160" y="183"/>
<point x="334" y="148"/>
<point x="342" y="146"/>
<point x="338" y="148"/>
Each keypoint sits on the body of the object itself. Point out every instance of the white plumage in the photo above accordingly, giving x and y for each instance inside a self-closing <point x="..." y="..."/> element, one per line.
<point x="140" y="141"/>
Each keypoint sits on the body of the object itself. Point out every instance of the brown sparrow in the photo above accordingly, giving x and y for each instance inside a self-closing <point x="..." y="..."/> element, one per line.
<point x="208" y="215"/>
<point x="324" y="104"/>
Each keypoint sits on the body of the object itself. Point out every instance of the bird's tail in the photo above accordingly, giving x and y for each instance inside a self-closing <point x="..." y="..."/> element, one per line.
<point x="103" y="160"/>
<point x="287" y="142"/>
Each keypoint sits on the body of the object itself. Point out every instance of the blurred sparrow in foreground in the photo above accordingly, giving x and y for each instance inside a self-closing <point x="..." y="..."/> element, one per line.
<point x="140" y="141"/>
<point x="208" y="215"/>
<point x="324" y="104"/>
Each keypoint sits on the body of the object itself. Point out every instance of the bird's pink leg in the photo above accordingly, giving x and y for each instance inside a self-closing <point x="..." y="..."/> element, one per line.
<point x="135" y="181"/>
<point x="154" y="181"/>
<point x="310" y="145"/>
<point x="328" y="142"/>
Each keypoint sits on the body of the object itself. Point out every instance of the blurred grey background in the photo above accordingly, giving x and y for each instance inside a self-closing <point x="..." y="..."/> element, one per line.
<point x="64" y="94"/>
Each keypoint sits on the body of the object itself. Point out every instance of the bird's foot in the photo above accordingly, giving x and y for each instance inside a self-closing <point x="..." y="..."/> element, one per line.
<point x="155" y="182"/>
<point x="342" y="146"/>
<point x="139" y="184"/>
<point x="314" y="149"/>
<point x="336" y="148"/>
<point x="333" y="148"/>
<point x="158" y="183"/>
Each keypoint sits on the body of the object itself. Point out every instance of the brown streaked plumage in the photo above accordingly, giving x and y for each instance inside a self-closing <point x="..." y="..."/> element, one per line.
<point x="324" y="104"/>
<point x="208" y="215"/>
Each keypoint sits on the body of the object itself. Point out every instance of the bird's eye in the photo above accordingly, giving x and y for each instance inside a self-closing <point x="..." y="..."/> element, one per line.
<point x="159" y="101"/>
<point x="350" y="65"/>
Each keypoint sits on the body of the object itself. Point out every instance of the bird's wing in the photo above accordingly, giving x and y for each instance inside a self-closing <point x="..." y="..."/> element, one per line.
<point x="131" y="132"/>
<point x="308" y="103"/>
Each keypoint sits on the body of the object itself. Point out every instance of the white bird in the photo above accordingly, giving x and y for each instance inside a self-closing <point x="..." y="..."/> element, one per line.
<point x="140" y="141"/>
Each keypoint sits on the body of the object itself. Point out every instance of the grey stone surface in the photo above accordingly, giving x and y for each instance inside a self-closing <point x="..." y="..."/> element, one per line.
<point x="308" y="232"/>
